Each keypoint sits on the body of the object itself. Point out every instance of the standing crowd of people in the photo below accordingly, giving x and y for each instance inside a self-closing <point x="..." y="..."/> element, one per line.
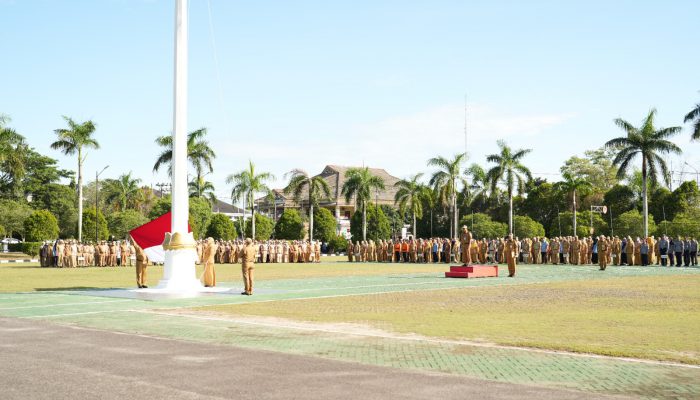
<point x="266" y="251"/>
<point x="537" y="250"/>
<point x="71" y="253"/>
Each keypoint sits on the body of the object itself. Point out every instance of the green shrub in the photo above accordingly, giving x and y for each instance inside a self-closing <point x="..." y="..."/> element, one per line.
<point x="289" y="226"/>
<point x="337" y="244"/>
<point x="31" y="248"/>
<point x="40" y="225"/>
<point x="221" y="227"/>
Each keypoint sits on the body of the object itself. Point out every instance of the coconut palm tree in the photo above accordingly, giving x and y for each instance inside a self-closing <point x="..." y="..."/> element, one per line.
<point x="246" y="184"/>
<point x="124" y="192"/>
<point x="694" y="117"/>
<point x="198" y="187"/>
<point x="572" y="185"/>
<point x="650" y="143"/>
<point x="479" y="186"/>
<point x="359" y="182"/>
<point x="75" y="140"/>
<point x="13" y="153"/>
<point x="316" y="189"/>
<point x="509" y="170"/>
<point x="445" y="182"/>
<point x="410" y="195"/>
<point x="199" y="153"/>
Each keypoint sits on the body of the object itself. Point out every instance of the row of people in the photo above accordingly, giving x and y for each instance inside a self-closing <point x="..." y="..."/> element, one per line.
<point x="268" y="251"/>
<point x="71" y="254"/>
<point x="538" y="250"/>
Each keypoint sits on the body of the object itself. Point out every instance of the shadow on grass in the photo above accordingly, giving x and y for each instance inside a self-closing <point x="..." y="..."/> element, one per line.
<point x="74" y="288"/>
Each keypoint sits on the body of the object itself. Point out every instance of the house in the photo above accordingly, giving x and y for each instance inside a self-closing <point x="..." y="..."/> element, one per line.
<point x="334" y="175"/>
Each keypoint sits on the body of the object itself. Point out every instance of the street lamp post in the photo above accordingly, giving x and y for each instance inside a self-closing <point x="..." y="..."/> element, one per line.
<point x="97" y="196"/>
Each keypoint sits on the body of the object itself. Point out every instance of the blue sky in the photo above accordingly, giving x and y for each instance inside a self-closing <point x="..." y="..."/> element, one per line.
<point x="308" y="83"/>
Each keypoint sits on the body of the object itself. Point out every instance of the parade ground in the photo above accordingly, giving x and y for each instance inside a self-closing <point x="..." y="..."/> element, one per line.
<point x="342" y="330"/>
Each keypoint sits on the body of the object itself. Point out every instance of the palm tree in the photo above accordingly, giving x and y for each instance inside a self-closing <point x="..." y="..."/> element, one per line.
<point x="650" y="143"/>
<point x="509" y="170"/>
<point x="246" y="184"/>
<point x="198" y="152"/>
<point x="317" y="188"/>
<point x="73" y="140"/>
<point x="445" y="181"/>
<point x="410" y="195"/>
<point x="13" y="152"/>
<point x="478" y="189"/>
<point x="572" y="185"/>
<point x="694" y="117"/>
<point x="198" y="187"/>
<point x="359" y="183"/>
<point x="124" y="192"/>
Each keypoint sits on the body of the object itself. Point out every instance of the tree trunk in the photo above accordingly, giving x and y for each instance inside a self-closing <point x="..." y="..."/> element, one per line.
<point x="252" y="213"/>
<point x="311" y="221"/>
<point x="414" y="225"/>
<point x="644" y="197"/>
<point x="575" y="234"/>
<point x="80" y="195"/>
<point x="364" y="222"/>
<point x="510" y="212"/>
<point x="455" y="220"/>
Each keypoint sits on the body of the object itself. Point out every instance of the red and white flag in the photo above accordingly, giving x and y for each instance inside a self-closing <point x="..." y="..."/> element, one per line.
<point x="150" y="237"/>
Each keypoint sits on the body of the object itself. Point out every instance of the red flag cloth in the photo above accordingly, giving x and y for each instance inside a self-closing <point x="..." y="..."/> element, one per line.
<point x="151" y="234"/>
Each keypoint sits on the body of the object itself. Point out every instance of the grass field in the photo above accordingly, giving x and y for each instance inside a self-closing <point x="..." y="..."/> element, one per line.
<point x="29" y="277"/>
<point x="655" y="317"/>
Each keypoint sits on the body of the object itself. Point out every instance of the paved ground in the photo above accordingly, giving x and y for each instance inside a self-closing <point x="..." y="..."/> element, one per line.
<point x="46" y="361"/>
<point x="297" y="351"/>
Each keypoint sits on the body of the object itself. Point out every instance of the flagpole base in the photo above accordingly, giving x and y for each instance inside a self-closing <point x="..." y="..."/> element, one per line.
<point x="179" y="274"/>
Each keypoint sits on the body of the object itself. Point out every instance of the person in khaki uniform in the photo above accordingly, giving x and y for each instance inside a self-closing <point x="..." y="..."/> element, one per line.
<point x="210" y="251"/>
<point x="465" y="241"/>
<point x="141" y="264"/>
<point x="247" y="266"/>
<point x="510" y="249"/>
<point x="603" y="253"/>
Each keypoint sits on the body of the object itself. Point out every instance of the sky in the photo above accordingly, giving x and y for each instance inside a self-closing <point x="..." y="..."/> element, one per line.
<point x="381" y="83"/>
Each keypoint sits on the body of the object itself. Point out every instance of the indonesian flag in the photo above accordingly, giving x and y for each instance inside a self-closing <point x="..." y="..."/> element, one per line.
<point x="150" y="237"/>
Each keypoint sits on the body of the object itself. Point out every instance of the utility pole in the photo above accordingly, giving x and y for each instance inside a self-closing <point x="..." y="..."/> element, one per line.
<point x="97" y="194"/>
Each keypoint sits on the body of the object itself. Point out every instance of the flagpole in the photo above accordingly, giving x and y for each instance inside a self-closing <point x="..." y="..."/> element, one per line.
<point x="179" y="273"/>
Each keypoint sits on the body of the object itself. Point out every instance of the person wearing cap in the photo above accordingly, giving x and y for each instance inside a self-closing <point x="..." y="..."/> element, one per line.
<point x="510" y="249"/>
<point x="465" y="240"/>
<point x="247" y="266"/>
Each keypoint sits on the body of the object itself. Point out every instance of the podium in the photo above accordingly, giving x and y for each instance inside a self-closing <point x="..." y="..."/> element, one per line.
<point x="472" y="271"/>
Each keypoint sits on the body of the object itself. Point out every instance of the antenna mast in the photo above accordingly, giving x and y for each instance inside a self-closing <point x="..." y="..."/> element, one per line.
<point x="465" y="124"/>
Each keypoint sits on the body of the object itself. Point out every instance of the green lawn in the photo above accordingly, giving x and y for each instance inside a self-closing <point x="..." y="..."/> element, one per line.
<point x="652" y="317"/>
<point x="23" y="277"/>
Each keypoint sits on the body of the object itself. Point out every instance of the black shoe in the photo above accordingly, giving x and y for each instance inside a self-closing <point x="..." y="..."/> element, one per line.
<point x="144" y="287"/>
<point x="244" y="293"/>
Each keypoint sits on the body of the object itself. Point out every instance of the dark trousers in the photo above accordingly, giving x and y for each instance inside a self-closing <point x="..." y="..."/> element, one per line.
<point x="544" y="257"/>
<point x="594" y="258"/>
<point x="686" y="258"/>
<point x="679" y="255"/>
<point x="645" y="260"/>
<point x="397" y="256"/>
<point x="663" y="252"/>
<point x="693" y="258"/>
<point x="623" y="258"/>
<point x="405" y="256"/>
<point x="435" y="257"/>
<point x="561" y="258"/>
